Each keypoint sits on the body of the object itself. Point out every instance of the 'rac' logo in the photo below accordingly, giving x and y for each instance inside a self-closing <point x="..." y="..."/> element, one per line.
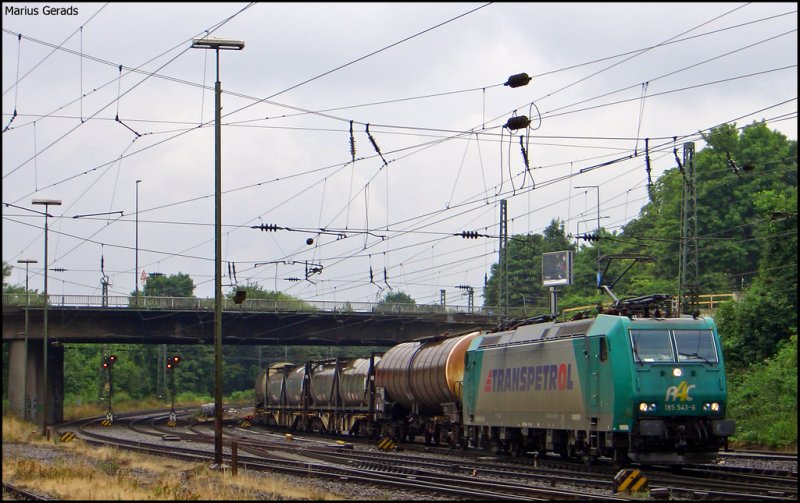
<point x="679" y="392"/>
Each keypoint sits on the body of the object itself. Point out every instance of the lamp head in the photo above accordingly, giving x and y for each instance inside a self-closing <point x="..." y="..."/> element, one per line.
<point x="218" y="43"/>
<point x="46" y="202"/>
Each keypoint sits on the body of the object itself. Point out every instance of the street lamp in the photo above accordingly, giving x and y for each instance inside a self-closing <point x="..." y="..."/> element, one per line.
<point x="46" y="203"/>
<point x="25" y="412"/>
<point x="218" y="44"/>
<point x="598" y="226"/>
<point x="136" y="274"/>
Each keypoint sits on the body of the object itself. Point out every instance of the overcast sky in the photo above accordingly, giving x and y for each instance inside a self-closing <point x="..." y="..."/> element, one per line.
<point x="98" y="96"/>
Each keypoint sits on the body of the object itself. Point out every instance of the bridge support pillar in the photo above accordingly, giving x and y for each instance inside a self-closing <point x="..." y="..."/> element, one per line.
<point x="26" y="383"/>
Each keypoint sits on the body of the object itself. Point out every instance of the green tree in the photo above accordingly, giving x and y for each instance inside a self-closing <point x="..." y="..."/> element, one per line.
<point x="396" y="302"/>
<point x="81" y="373"/>
<point x="753" y="328"/>
<point x="256" y="292"/>
<point x="6" y="273"/>
<point x="526" y="294"/>
<point x="7" y="287"/>
<point x="727" y="218"/>
<point x="174" y="285"/>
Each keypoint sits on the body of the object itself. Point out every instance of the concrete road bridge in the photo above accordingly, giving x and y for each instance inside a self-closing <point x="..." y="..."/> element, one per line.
<point x="180" y="320"/>
<point x="186" y="320"/>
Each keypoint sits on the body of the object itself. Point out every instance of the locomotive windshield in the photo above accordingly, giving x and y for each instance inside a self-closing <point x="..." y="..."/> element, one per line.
<point x="661" y="346"/>
<point x="652" y="346"/>
<point x="694" y="345"/>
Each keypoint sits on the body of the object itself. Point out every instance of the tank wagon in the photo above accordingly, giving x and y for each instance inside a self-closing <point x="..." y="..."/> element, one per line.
<point x="412" y="389"/>
<point x="648" y="389"/>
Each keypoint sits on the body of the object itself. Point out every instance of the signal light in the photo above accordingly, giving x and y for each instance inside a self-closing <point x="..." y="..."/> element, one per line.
<point x="105" y="362"/>
<point x="112" y="359"/>
<point x="173" y="362"/>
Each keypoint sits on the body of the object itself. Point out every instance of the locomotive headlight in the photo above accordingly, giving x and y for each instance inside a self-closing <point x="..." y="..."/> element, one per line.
<point x="677" y="372"/>
<point x="647" y="407"/>
<point x="711" y="407"/>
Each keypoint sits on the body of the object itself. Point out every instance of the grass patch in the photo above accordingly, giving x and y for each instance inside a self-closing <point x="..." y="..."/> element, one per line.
<point x="85" y="472"/>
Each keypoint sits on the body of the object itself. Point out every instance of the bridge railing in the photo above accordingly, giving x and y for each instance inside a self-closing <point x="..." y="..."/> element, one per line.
<point x="259" y="305"/>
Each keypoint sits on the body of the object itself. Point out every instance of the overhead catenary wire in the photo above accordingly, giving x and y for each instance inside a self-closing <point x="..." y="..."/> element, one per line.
<point x="127" y="91"/>
<point x="478" y="145"/>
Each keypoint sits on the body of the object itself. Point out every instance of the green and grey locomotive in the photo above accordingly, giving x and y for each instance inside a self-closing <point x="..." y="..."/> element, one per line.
<point x="649" y="389"/>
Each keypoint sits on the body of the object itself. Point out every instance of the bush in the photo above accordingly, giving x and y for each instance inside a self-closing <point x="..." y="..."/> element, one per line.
<point x="189" y="397"/>
<point x="246" y="396"/>
<point x="763" y="400"/>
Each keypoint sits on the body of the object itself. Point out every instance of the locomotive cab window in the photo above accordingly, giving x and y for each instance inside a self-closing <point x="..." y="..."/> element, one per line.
<point x="652" y="346"/>
<point x="695" y="346"/>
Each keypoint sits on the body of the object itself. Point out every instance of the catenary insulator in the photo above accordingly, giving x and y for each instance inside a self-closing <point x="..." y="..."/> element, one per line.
<point x="518" y="122"/>
<point x="518" y="80"/>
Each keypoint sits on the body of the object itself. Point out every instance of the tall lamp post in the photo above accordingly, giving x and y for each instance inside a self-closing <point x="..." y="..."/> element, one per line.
<point x="26" y="412"/>
<point x="598" y="226"/>
<point x="46" y="203"/>
<point x="218" y="44"/>
<point x="136" y="274"/>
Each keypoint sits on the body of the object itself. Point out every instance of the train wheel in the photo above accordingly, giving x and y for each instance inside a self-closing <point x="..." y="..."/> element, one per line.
<point x="437" y="438"/>
<point x="621" y="459"/>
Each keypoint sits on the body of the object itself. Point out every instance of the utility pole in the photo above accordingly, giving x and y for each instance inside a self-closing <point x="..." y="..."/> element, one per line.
<point x="502" y="263"/>
<point x="597" y="230"/>
<point x="470" y="295"/>
<point x="136" y="274"/>
<point x="104" y="282"/>
<point x="26" y="399"/>
<point x="687" y="290"/>
<point x="217" y="44"/>
<point x="161" y="379"/>
<point x="45" y="343"/>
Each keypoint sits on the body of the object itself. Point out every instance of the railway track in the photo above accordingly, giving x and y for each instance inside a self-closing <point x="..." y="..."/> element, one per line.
<point x="446" y="475"/>
<point x="299" y="460"/>
<point x="11" y="491"/>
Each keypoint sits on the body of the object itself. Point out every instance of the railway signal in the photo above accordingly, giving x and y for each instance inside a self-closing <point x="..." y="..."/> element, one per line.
<point x="108" y="364"/>
<point x="172" y="362"/>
